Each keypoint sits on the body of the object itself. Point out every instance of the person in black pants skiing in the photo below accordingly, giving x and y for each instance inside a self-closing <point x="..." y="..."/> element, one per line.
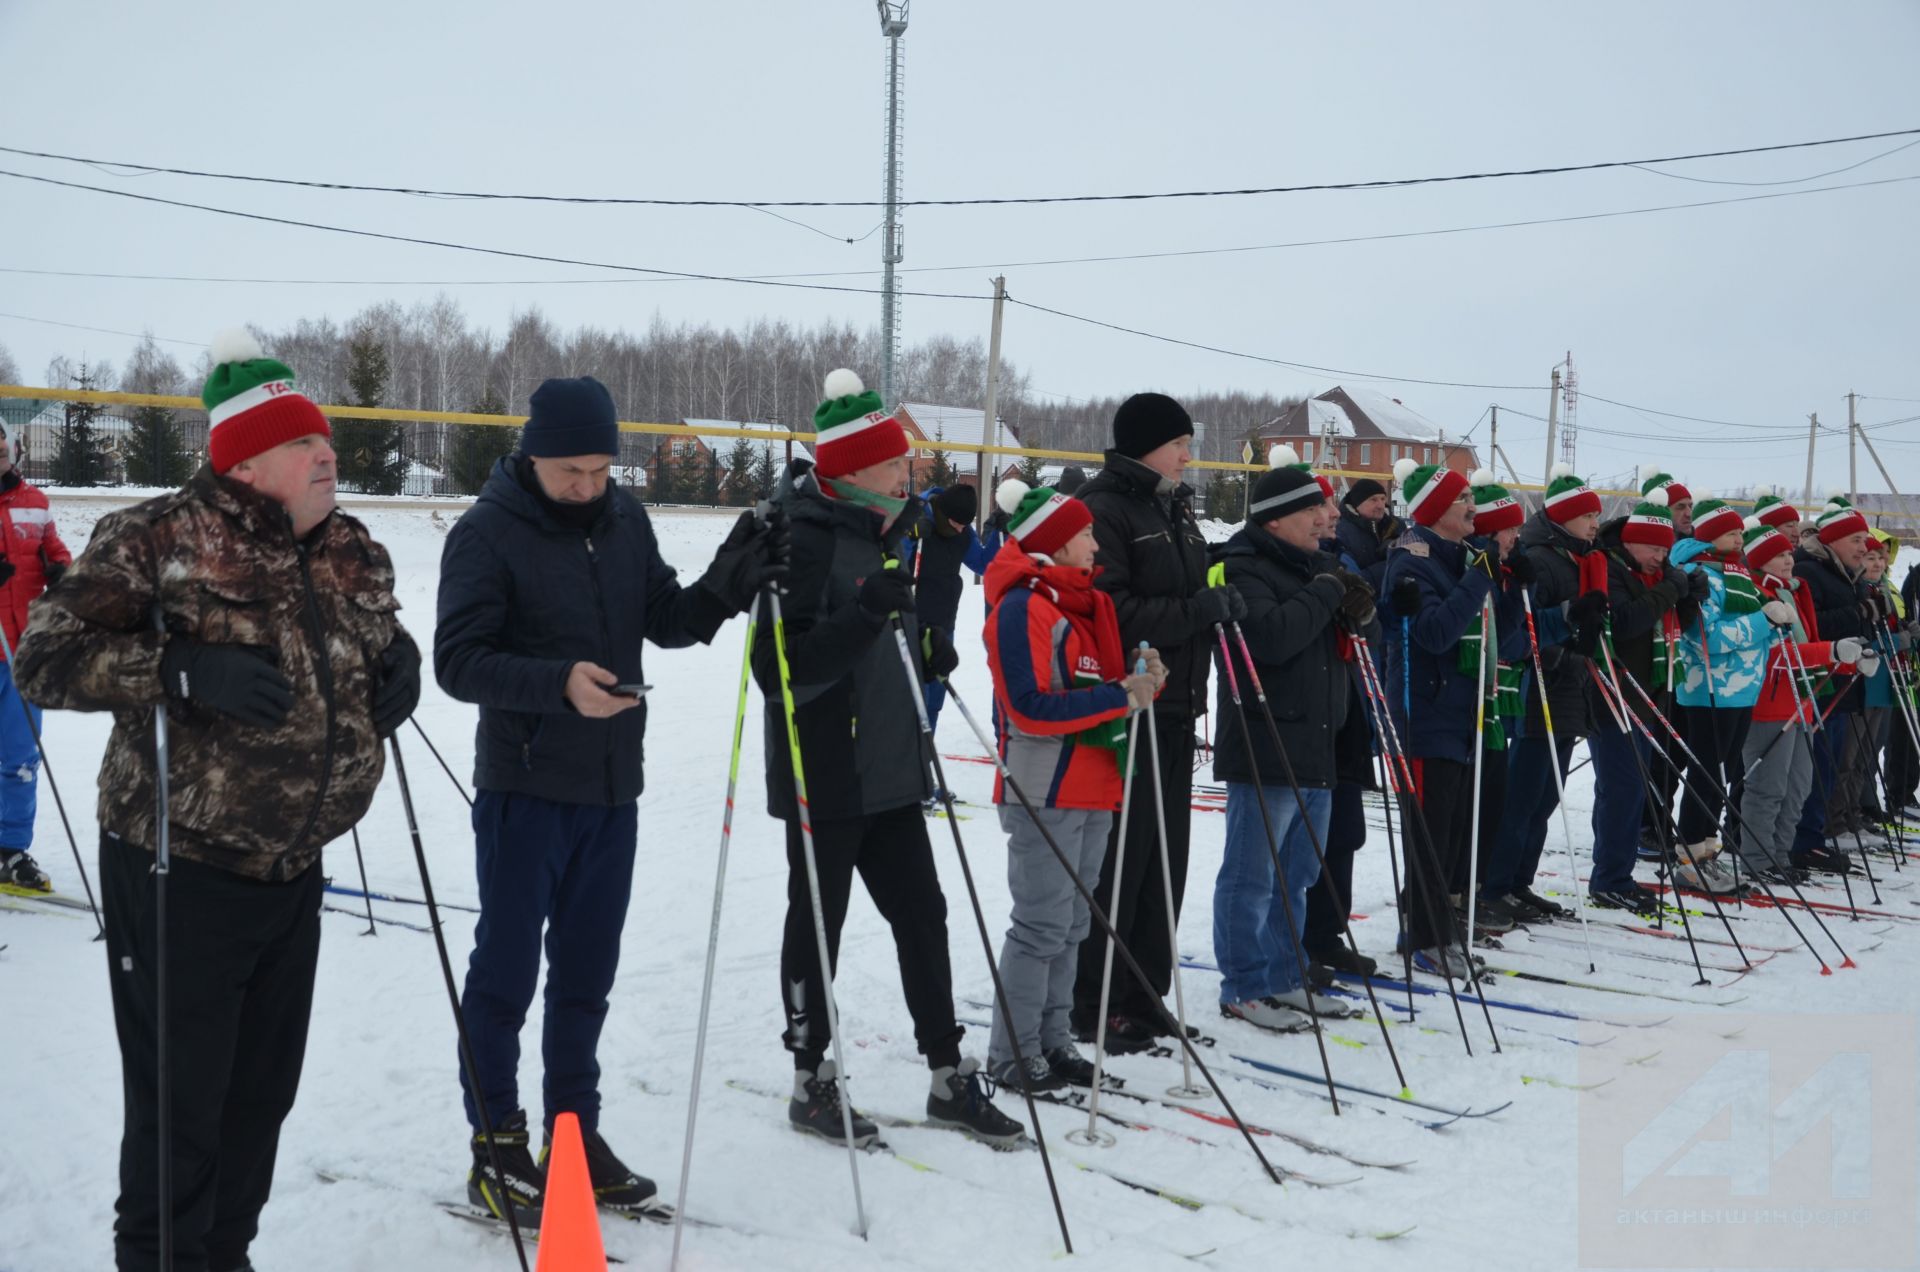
<point x="549" y="585"/>
<point x="1153" y="562"/>
<point x="860" y="749"/>
<point x="939" y="543"/>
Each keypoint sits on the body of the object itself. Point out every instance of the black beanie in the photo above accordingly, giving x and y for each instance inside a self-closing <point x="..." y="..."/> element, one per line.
<point x="571" y="417"/>
<point x="1072" y="477"/>
<point x="957" y="502"/>
<point x="1147" y="421"/>
<point x="1280" y="491"/>
<point x="1361" y="491"/>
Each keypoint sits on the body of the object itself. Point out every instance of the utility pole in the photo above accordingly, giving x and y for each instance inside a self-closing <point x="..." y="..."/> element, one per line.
<point x="1553" y="420"/>
<point x="1876" y="462"/>
<point x="1813" y="429"/>
<point x="1853" y="453"/>
<point x="893" y="25"/>
<point x="1493" y="437"/>
<point x="990" y="421"/>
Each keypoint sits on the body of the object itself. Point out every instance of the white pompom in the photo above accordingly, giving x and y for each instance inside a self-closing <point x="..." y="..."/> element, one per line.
<point x="1835" y="493"/>
<point x="1282" y="456"/>
<point x="1658" y="496"/>
<point x="1762" y="492"/>
<point x="1649" y="471"/>
<point x="1011" y="492"/>
<point x="1481" y="477"/>
<point x="843" y="383"/>
<point x="235" y="344"/>
<point x="1404" y="469"/>
<point x="1753" y="522"/>
<point x="1559" y="470"/>
<point x="1701" y="496"/>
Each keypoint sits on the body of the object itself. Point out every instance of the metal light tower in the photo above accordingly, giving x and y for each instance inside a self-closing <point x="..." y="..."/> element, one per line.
<point x="893" y="25"/>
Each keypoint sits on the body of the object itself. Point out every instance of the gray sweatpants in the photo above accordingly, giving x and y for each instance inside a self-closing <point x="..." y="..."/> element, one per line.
<point x="1777" y="786"/>
<point x="1050" y="919"/>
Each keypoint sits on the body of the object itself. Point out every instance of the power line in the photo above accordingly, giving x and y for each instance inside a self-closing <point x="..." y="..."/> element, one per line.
<point x="103" y="331"/>
<point x="484" y="251"/>
<point x="983" y="265"/>
<point x="1390" y="183"/>
<point x="1256" y="357"/>
<point x="1831" y="172"/>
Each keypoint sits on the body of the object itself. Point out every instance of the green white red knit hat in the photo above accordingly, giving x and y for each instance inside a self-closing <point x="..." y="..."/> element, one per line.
<point x="1040" y="518"/>
<point x="252" y="404"/>
<point x="1652" y="479"/>
<point x="1772" y="509"/>
<point x="1650" y="521"/>
<point x="1494" y="507"/>
<point x="1839" y="519"/>
<point x="1568" y="496"/>
<point x="1429" y="489"/>
<point x="1763" y="542"/>
<point x="855" y="428"/>
<point x="1714" y="517"/>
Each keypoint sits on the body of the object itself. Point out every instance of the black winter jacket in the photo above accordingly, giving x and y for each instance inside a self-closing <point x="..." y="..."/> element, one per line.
<point x="1634" y="612"/>
<point x="523" y="598"/>
<point x="1837" y="601"/>
<point x="1292" y="604"/>
<point x="853" y="701"/>
<point x="1555" y="556"/>
<point x="1360" y="543"/>
<point x="1153" y="559"/>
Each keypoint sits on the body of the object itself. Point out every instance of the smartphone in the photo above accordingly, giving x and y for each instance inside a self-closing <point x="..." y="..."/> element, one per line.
<point x="630" y="691"/>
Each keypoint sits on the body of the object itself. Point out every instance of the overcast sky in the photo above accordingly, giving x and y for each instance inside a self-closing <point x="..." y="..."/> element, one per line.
<point x="1753" y="313"/>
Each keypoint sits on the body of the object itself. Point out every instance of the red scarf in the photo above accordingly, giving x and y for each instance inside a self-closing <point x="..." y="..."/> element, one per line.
<point x="1091" y="614"/>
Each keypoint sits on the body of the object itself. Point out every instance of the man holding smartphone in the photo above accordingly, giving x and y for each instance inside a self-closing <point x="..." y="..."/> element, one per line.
<point x="549" y="585"/>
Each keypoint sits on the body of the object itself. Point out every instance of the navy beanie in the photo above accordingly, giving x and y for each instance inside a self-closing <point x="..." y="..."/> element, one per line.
<point x="1361" y="491"/>
<point x="571" y="417"/>
<point x="1147" y="421"/>
<point x="958" y="502"/>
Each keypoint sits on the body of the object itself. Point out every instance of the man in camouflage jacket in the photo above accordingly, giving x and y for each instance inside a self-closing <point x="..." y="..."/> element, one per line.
<point x="281" y="667"/>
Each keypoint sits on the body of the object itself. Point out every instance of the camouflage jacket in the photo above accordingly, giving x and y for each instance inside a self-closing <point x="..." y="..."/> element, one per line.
<point x="223" y="565"/>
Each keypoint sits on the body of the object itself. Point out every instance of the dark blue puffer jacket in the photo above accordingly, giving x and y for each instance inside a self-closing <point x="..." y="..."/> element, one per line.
<point x="1433" y="701"/>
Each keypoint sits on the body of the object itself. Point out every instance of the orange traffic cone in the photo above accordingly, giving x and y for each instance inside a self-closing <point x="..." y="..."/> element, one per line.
<point x="569" y="1221"/>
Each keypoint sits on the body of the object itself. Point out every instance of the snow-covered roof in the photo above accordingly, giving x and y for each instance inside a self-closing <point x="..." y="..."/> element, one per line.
<point x="1392" y="417"/>
<point x="956" y="424"/>
<point x="722" y="447"/>
<point x="1322" y="416"/>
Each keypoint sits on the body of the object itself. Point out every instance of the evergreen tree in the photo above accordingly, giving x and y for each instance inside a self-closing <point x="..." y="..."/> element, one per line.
<point x="473" y="448"/>
<point x="156" y="452"/>
<point x="766" y="471"/>
<point x="1030" y="466"/>
<point x="372" y="458"/>
<point x="665" y="486"/>
<point x="940" y="473"/>
<point x="740" y="461"/>
<point x="80" y="455"/>
<point x="708" y="491"/>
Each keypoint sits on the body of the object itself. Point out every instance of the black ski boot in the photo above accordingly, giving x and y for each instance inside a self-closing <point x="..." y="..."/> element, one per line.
<point x="1036" y="1078"/>
<point x="614" y="1185"/>
<point x="1540" y="905"/>
<point x="525" y="1184"/>
<point x="22" y="871"/>
<point x="1338" y="958"/>
<point x="815" y="1108"/>
<point x="1074" y="1069"/>
<point x="962" y="1100"/>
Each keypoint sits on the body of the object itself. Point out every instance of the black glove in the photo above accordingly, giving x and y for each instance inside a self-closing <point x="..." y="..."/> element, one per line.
<point x="1216" y="605"/>
<point x="6" y="571"/>
<point x="1238" y="602"/>
<point x="754" y="556"/>
<point x="1486" y="559"/>
<point x="1520" y="568"/>
<point x="54" y="570"/>
<point x="1698" y="589"/>
<point x="1406" y="596"/>
<point x="1587" y="615"/>
<point x="1356" y="600"/>
<point x="886" y="593"/>
<point x="999" y="520"/>
<point x="396" y="691"/>
<point x="937" y="653"/>
<point x="239" y="680"/>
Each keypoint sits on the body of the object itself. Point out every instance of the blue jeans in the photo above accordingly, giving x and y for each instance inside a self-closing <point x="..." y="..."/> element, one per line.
<point x="1812" y="833"/>
<point x="1253" y="942"/>
<point x="1619" y="794"/>
<point x="1532" y="795"/>
<point x="19" y="766"/>
<point x="567" y="868"/>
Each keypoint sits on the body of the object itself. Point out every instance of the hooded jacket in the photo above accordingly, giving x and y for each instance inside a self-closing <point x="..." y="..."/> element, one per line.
<point x="1726" y="674"/>
<point x="854" y="697"/>
<point x="1360" y="546"/>
<point x="1049" y="686"/>
<point x="31" y="544"/>
<point x="1153" y="559"/>
<point x="1636" y="613"/>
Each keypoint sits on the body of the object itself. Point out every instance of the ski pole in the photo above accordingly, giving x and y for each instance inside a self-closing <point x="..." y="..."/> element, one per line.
<point x="1093" y="1134"/>
<point x="1479" y="752"/>
<point x="162" y="868"/>
<point x="805" y="814"/>
<point x="1101" y="919"/>
<point x="917" y="691"/>
<point x="364" y="893"/>
<point x="1340" y="903"/>
<point x="1186" y="1090"/>
<point x="467" y="1061"/>
<point x="39" y="744"/>
<point x="1833" y="749"/>
<point x="1559" y="781"/>
<point x="713" y="935"/>
<point x="415" y="722"/>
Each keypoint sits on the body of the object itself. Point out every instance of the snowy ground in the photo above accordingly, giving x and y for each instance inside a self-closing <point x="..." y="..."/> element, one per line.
<point x="379" y="1100"/>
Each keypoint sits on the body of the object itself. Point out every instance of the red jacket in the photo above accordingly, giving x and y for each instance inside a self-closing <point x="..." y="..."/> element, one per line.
<point x="1778" y="693"/>
<point x="1050" y="682"/>
<point x="31" y="544"/>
